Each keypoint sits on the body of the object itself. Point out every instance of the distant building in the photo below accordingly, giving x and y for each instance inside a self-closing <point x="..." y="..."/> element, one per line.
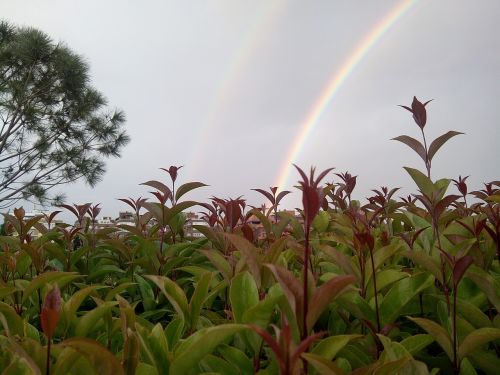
<point x="189" y="230"/>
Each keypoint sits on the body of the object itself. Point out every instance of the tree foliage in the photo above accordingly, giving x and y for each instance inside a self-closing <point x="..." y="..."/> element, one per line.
<point x="55" y="128"/>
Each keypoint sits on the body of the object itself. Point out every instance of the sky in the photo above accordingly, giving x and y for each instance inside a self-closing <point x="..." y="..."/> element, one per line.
<point x="226" y="88"/>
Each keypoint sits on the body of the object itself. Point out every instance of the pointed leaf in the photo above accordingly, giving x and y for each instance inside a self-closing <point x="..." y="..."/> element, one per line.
<point x="203" y="342"/>
<point x="87" y="322"/>
<point x="102" y="360"/>
<point x="159" y="349"/>
<point x="330" y="346"/>
<point x="324" y="295"/>
<point x="413" y="144"/>
<point x="401" y="294"/>
<point x="423" y="182"/>
<point x="46" y="278"/>
<point x="414" y="344"/>
<point x="187" y="187"/>
<point x="460" y="267"/>
<point x="174" y="294"/>
<point x="292" y="288"/>
<point x="199" y="297"/>
<point x="249" y="252"/>
<point x="219" y="262"/>
<point x="439" y="141"/>
<point x="476" y="339"/>
<point x="243" y="294"/>
<point x="158" y="186"/>
<point x="438" y="333"/>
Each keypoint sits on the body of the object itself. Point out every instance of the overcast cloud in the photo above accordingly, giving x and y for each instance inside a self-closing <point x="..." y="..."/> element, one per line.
<point x="223" y="87"/>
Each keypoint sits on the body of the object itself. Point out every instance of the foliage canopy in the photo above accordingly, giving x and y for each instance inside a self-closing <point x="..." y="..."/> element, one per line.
<point x="55" y="128"/>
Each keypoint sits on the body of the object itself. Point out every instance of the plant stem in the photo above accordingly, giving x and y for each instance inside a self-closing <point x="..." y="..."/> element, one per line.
<point x="427" y="161"/>
<point x="306" y="268"/>
<point x="456" y="365"/>
<point x="375" y="290"/>
<point x="47" y="367"/>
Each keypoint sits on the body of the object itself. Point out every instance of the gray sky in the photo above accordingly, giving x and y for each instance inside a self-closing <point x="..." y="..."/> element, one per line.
<point x="224" y="86"/>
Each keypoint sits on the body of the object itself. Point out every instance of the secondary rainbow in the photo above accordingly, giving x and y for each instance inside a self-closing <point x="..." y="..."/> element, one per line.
<point x="335" y="84"/>
<point x="250" y="44"/>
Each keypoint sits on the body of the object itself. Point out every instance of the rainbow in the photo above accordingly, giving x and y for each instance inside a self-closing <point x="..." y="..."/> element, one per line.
<point x="251" y="42"/>
<point x="335" y="83"/>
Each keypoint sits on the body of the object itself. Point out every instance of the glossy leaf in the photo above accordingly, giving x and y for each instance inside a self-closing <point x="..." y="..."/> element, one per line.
<point x="243" y="294"/>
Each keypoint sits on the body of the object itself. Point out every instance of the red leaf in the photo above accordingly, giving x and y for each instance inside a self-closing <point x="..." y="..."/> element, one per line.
<point x="460" y="267"/>
<point x="439" y="141"/>
<point x="269" y="340"/>
<point x="413" y="144"/>
<point x="419" y="112"/>
<point x="51" y="311"/>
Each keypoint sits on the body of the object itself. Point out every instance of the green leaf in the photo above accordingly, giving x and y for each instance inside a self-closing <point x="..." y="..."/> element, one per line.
<point x="174" y="331"/>
<point x="117" y="290"/>
<point x="243" y="294"/>
<point x="427" y="262"/>
<point x="187" y="187"/>
<point x="45" y="278"/>
<point x="238" y="358"/>
<point x="385" y="278"/>
<point x="440" y="141"/>
<point x="413" y="144"/>
<point x="356" y="305"/>
<point x="400" y="294"/>
<point x="292" y="288"/>
<point x="322" y="365"/>
<point x="201" y="343"/>
<point x="249" y="252"/>
<point x="486" y="283"/>
<point x="438" y="333"/>
<point x="131" y="352"/>
<point x="88" y="321"/>
<point x="11" y="321"/>
<point x="174" y="294"/>
<point x="330" y="346"/>
<point x="26" y="362"/>
<point x="392" y="367"/>
<point x="198" y="298"/>
<point x="102" y="360"/>
<point x="218" y="365"/>
<point x="324" y="295"/>
<point x="423" y="182"/>
<point x="65" y="361"/>
<point x="414" y="344"/>
<point x="72" y="305"/>
<point x="219" y="262"/>
<point x="158" y="345"/>
<point x="476" y="339"/>
<point x="147" y="294"/>
<point x="381" y="256"/>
